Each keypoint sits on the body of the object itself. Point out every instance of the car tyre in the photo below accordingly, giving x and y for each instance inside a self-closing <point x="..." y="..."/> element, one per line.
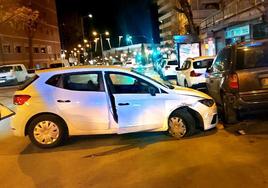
<point x="47" y="131"/>
<point x="181" y="124"/>
<point x="229" y="113"/>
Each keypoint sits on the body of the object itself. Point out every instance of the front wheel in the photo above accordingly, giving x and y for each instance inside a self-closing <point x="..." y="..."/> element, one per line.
<point x="47" y="131"/>
<point x="180" y="124"/>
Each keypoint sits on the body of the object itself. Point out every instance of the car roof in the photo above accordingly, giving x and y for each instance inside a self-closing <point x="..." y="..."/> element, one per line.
<point x="81" y="68"/>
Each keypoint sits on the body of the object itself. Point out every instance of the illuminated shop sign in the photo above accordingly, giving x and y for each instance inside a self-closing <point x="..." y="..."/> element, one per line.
<point x="237" y="31"/>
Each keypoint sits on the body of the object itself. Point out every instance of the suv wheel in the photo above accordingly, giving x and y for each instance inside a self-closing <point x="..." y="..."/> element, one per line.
<point x="229" y="113"/>
<point x="181" y="124"/>
<point x="47" y="131"/>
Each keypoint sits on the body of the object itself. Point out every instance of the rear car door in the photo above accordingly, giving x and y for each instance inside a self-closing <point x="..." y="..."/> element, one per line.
<point x="136" y="108"/>
<point x="81" y="99"/>
<point x="252" y="72"/>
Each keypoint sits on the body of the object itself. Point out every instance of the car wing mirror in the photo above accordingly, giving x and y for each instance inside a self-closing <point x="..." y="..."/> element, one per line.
<point x="178" y="69"/>
<point x="152" y="91"/>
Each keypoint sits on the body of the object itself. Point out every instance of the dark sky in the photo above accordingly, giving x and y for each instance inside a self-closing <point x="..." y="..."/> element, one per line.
<point x="119" y="17"/>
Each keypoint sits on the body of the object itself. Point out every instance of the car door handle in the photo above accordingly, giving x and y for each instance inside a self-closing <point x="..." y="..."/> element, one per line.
<point x="63" y="101"/>
<point x="123" y="104"/>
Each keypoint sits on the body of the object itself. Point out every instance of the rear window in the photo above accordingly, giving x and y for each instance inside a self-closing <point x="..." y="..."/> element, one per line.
<point x="117" y="63"/>
<point x="28" y="82"/>
<point x="5" y="69"/>
<point x="202" y="64"/>
<point x="252" y="57"/>
<point x="172" y="63"/>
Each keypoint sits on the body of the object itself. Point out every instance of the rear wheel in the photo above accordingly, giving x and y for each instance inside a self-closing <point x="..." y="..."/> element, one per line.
<point x="229" y="113"/>
<point x="47" y="131"/>
<point x="180" y="124"/>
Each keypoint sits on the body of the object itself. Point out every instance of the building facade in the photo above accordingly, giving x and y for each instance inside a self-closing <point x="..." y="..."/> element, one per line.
<point x="174" y="23"/>
<point x="236" y="21"/>
<point x="14" y="40"/>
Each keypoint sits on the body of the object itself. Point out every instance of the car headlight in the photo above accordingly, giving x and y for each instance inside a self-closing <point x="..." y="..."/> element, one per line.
<point x="207" y="102"/>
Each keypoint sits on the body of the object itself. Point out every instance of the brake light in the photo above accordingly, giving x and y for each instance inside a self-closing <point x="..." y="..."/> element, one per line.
<point x="167" y="67"/>
<point x="194" y="74"/>
<point x="20" y="99"/>
<point x="233" y="81"/>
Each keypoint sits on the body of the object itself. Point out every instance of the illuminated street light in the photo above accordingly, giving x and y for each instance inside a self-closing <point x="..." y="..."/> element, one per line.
<point x="85" y="41"/>
<point x="79" y="45"/>
<point x="90" y="16"/>
<point x="82" y="48"/>
<point x="75" y="49"/>
<point x="87" y="45"/>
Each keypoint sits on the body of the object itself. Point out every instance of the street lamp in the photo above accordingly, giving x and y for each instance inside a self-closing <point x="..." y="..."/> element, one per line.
<point x="82" y="23"/>
<point x="95" y="34"/>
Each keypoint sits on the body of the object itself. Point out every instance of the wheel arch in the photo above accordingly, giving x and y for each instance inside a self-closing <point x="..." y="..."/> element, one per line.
<point x="199" y="124"/>
<point x="41" y="114"/>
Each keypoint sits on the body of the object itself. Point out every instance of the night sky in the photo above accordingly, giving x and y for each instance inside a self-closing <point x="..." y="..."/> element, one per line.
<point x="119" y="17"/>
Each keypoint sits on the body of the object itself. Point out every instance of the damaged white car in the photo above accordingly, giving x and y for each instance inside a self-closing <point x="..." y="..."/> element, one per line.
<point x="58" y="103"/>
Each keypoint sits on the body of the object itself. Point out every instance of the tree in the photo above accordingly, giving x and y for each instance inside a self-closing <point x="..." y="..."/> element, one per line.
<point x="185" y="8"/>
<point x="12" y="13"/>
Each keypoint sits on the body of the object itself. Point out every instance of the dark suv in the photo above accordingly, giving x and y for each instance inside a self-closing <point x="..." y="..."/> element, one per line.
<point x="238" y="79"/>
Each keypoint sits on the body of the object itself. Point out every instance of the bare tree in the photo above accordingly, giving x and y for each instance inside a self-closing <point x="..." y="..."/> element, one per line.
<point x="185" y="8"/>
<point x="13" y="13"/>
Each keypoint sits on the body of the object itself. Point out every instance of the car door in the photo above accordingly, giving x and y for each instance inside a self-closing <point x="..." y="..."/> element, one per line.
<point x="137" y="108"/>
<point x="19" y="73"/>
<point x="82" y="101"/>
<point x="216" y="73"/>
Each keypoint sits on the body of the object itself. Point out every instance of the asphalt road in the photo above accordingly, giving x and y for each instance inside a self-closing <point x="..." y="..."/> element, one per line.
<point x="217" y="158"/>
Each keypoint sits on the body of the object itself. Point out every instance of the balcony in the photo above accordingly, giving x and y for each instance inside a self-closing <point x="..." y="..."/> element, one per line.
<point x="166" y="8"/>
<point x="199" y="15"/>
<point x="233" y="9"/>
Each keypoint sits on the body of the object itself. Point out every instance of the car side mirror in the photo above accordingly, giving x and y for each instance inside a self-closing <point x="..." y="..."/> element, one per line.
<point x="209" y="70"/>
<point x="152" y="91"/>
<point x="178" y="69"/>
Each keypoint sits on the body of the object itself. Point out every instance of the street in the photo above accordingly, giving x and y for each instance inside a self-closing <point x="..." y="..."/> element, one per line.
<point x="216" y="158"/>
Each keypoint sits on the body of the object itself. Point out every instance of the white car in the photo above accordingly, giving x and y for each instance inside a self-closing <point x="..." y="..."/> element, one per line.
<point x="168" y="68"/>
<point x="102" y="100"/>
<point x="13" y="74"/>
<point x="192" y="73"/>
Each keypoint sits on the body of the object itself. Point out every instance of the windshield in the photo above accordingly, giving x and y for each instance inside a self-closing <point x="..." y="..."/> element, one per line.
<point x="5" y="69"/>
<point x="164" y="84"/>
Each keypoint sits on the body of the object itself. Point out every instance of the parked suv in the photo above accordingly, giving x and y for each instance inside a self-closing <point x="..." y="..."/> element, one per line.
<point x="238" y="79"/>
<point x="13" y="74"/>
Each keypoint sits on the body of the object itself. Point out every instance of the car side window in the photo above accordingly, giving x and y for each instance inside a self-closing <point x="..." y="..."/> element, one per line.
<point x="222" y="60"/>
<point x="186" y="65"/>
<point x="83" y="81"/>
<point x="54" y="80"/>
<point x="18" y="68"/>
<point x="125" y="83"/>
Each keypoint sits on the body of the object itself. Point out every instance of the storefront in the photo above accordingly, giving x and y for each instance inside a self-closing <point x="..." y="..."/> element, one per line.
<point x="237" y="34"/>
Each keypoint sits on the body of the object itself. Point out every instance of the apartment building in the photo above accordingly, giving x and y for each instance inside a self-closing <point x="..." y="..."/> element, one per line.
<point x="173" y="23"/>
<point x="14" y="45"/>
<point x="236" y="21"/>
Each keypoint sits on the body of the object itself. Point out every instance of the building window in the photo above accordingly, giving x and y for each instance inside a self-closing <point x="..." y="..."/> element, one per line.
<point x="18" y="49"/>
<point x="36" y="50"/>
<point x="43" y="50"/>
<point x="6" y="49"/>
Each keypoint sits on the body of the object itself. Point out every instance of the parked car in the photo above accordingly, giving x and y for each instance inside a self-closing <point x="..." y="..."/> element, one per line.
<point x="193" y="70"/>
<point x="118" y="63"/>
<point x="238" y="79"/>
<point x="168" y="68"/>
<point x="13" y="74"/>
<point x="105" y="100"/>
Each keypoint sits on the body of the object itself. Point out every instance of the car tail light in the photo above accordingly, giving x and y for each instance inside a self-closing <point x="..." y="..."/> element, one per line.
<point x="20" y="99"/>
<point x="233" y="81"/>
<point x="167" y="67"/>
<point x="194" y="74"/>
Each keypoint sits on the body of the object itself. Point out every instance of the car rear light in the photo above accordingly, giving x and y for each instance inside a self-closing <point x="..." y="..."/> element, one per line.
<point x="20" y="99"/>
<point x="194" y="74"/>
<point x="233" y="81"/>
<point x="167" y="67"/>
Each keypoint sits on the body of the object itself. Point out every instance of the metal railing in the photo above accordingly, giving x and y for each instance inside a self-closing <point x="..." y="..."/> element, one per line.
<point x="234" y="8"/>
